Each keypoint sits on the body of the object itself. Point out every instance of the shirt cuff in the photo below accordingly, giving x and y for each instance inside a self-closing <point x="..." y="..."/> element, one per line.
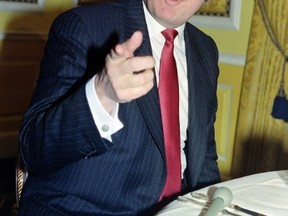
<point x="107" y="124"/>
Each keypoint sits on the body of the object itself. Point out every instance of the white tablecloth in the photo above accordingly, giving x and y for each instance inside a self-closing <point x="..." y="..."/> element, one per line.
<point x="265" y="193"/>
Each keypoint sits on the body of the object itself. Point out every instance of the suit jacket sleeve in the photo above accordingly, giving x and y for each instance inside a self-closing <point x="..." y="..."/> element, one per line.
<point x="58" y="127"/>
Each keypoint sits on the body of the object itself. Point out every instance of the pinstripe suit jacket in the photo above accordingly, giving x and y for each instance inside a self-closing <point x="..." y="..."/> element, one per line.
<point x="72" y="170"/>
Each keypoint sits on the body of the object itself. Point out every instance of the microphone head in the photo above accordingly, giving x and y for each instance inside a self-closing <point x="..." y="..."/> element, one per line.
<point x="225" y="194"/>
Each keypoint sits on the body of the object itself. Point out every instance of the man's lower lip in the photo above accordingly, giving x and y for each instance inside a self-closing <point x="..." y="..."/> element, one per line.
<point x="172" y="2"/>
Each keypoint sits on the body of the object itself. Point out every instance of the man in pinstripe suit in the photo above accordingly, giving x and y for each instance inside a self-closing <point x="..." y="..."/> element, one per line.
<point x="92" y="137"/>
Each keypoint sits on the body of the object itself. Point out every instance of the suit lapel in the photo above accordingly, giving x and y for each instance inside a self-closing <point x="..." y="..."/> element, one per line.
<point x="148" y="104"/>
<point x="195" y="147"/>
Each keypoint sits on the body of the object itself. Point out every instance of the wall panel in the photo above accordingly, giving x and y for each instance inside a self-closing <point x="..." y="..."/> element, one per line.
<point x="19" y="64"/>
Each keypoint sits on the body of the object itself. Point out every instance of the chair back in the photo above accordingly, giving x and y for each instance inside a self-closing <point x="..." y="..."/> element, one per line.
<point x="21" y="176"/>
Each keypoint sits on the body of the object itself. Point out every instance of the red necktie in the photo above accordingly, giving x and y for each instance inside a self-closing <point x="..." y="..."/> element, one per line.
<point x="169" y="103"/>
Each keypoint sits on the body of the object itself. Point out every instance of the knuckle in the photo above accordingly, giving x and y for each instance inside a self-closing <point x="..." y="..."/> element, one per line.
<point x="134" y="63"/>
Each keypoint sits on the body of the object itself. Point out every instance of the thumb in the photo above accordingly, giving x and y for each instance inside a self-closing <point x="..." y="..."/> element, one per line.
<point x="128" y="47"/>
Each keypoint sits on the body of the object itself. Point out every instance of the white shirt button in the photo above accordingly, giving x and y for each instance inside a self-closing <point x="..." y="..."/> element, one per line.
<point x="105" y="128"/>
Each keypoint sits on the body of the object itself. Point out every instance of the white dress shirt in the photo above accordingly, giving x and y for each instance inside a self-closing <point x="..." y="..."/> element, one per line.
<point x="109" y="124"/>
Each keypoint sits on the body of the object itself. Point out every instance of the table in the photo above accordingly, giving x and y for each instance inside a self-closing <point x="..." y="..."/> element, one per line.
<point x="265" y="193"/>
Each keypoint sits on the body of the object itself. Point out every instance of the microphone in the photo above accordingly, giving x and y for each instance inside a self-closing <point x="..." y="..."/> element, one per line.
<point x="222" y="198"/>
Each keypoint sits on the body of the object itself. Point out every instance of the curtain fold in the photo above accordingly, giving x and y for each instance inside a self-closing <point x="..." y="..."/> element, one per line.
<point x="261" y="142"/>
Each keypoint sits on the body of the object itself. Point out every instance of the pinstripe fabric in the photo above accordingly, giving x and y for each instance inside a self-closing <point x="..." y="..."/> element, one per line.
<point x="202" y="77"/>
<point x="72" y="170"/>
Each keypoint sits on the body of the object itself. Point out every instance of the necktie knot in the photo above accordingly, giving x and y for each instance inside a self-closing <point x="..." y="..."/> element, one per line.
<point x="169" y="34"/>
